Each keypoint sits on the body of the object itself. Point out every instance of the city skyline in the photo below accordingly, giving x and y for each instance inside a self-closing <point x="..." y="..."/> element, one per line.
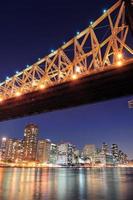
<point x="34" y="151"/>
<point x="23" y="40"/>
<point x="62" y="139"/>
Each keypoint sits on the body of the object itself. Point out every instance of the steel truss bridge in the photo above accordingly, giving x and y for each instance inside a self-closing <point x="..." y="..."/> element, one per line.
<point x="95" y="65"/>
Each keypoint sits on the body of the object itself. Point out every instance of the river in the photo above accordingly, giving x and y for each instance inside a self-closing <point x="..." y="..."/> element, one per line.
<point x="66" y="184"/>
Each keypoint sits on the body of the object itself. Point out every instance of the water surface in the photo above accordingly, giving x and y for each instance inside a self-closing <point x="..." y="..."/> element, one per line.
<point x="66" y="184"/>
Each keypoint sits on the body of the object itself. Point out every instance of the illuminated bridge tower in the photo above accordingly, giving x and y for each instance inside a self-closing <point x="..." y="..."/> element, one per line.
<point x="30" y="142"/>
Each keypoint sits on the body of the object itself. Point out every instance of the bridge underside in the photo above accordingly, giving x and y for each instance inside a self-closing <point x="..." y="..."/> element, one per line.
<point x="103" y="86"/>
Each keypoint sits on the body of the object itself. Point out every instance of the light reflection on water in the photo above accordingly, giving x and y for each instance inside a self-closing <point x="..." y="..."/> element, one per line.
<point x="66" y="184"/>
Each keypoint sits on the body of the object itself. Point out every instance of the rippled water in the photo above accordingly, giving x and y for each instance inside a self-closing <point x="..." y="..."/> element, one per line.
<point x="66" y="184"/>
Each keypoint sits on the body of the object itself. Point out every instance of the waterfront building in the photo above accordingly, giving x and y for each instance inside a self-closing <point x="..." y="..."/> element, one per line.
<point x="30" y="142"/>
<point x="3" y="146"/>
<point x="53" y="153"/>
<point x="104" y="159"/>
<point x="19" y="151"/>
<point x="89" y="150"/>
<point x="76" y="156"/>
<point x="123" y="159"/>
<point x="14" y="150"/>
<point x="105" y="148"/>
<point x="115" y="152"/>
<point x="43" y="151"/>
<point x="10" y="150"/>
<point x="89" y="153"/>
<point x="65" y="154"/>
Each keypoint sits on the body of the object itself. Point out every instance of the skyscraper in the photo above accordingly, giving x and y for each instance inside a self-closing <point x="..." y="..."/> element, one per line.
<point x="3" y="146"/>
<point x="14" y="150"/>
<point x="43" y="151"/>
<point x="30" y="142"/>
<point x="89" y="150"/>
<point x="53" y="153"/>
<point x="115" y="152"/>
<point x="65" y="154"/>
<point x="105" y="148"/>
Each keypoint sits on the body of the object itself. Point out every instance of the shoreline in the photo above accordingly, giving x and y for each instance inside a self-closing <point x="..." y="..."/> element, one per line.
<point x="67" y="167"/>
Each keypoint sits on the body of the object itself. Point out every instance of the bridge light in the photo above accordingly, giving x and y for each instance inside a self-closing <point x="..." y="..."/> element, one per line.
<point x="1" y="99"/>
<point x="39" y="59"/>
<point x="17" y="72"/>
<point x="42" y="86"/>
<point x="64" y="43"/>
<point x="78" y="32"/>
<point x="77" y="69"/>
<point x="17" y="94"/>
<point x="27" y="66"/>
<point x="74" y="76"/>
<point x="34" y="83"/>
<point x="119" y="63"/>
<point x="7" y="78"/>
<point x="119" y="56"/>
<point x="52" y="50"/>
<point x="91" y="22"/>
<point x="104" y="11"/>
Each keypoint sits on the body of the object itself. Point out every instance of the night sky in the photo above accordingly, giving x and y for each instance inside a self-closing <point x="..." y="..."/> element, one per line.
<point x="29" y="30"/>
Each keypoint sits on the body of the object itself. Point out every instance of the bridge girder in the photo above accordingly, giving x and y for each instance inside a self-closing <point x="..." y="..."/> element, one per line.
<point x="84" y="54"/>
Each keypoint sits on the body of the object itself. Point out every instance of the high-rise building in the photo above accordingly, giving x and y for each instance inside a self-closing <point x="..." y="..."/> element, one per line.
<point x="10" y="150"/>
<point x="43" y="151"/>
<point x="19" y="151"/>
<point x="53" y="153"/>
<point x="115" y="152"/>
<point x="3" y="146"/>
<point x="76" y="157"/>
<point x="30" y="142"/>
<point x="103" y="159"/>
<point x="123" y="159"/>
<point x="14" y="150"/>
<point x="105" y="148"/>
<point x="89" y="151"/>
<point x="65" y="154"/>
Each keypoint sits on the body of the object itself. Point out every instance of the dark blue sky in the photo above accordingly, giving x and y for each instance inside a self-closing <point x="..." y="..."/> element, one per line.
<point x="29" y="30"/>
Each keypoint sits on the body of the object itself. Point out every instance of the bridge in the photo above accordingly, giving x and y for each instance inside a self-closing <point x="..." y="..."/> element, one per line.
<point x="95" y="65"/>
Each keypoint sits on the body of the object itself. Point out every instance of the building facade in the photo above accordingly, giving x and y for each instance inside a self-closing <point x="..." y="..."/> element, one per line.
<point x="43" y="151"/>
<point x="65" y="154"/>
<point x="3" y="147"/>
<point x="53" y="153"/>
<point x="30" y="142"/>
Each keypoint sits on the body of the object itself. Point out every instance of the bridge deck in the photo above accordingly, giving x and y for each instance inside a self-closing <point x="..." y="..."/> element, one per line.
<point x="103" y="86"/>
